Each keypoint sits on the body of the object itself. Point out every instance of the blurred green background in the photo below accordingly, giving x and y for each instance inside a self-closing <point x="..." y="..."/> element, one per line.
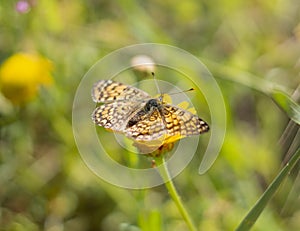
<point x="247" y="45"/>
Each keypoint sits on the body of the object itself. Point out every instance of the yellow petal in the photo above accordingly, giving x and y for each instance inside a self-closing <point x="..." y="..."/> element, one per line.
<point x="192" y="110"/>
<point x="184" y="105"/>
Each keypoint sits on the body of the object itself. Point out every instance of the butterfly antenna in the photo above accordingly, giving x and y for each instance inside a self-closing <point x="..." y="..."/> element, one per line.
<point x="156" y="84"/>
<point x="188" y="90"/>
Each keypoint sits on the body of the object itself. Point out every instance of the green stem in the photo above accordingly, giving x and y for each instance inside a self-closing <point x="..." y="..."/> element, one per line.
<point x="257" y="209"/>
<point x="164" y="172"/>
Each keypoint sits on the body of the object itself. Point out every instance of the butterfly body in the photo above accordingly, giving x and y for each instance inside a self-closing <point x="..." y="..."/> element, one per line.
<point x="131" y="111"/>
<point x="151" y="105"/>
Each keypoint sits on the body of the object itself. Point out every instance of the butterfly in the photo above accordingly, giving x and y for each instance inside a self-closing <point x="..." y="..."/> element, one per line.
<point x="139" y="116"/>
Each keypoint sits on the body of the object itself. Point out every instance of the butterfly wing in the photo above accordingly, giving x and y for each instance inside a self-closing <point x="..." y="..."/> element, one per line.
<point x="166" y="120"/>
<point x="123" y="111"/>
<point x="145" y="126"/>
<point x="114" y="115"/>
<point x="181" y="122"/>
<point x="108" y="91"/>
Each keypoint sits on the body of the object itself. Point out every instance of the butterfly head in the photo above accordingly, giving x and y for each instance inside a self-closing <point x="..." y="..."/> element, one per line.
<point x="152" y="103"/>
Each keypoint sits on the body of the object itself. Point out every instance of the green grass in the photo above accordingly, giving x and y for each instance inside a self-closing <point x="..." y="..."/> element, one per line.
<point x="251" y="48"/>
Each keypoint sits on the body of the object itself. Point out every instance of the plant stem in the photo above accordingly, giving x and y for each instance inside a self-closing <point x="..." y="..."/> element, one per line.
<point x="164" y="172"/>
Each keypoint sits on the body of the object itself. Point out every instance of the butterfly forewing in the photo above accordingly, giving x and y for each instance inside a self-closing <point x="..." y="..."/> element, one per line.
<point x="108" y="91"/>
<point x="182" y="122"/>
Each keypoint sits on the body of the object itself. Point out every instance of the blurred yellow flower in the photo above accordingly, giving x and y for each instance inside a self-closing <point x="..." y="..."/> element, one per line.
<point x="22" y="74"/>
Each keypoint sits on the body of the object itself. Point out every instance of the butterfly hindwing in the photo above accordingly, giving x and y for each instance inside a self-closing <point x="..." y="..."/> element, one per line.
<point x="114" y="115"/>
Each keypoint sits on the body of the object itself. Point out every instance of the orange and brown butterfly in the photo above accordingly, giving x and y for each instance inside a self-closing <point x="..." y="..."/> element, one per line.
<point x="144" y="119"/>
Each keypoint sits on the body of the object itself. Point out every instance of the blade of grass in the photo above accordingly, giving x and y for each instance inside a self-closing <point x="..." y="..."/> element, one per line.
<point x="286" y="103"/>
<point x="243" y="77"/>
<point x="279" y="93"/>
<point x="257" y="209"/>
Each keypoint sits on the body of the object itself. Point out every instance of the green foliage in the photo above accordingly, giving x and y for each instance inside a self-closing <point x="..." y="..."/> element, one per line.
<point x="251" y="47"/>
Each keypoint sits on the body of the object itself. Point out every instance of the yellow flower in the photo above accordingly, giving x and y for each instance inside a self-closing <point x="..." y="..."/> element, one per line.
<point x="157" y="147"/>
<point x="22" y="74"/>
